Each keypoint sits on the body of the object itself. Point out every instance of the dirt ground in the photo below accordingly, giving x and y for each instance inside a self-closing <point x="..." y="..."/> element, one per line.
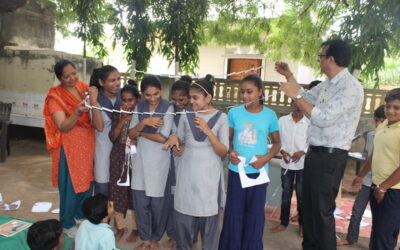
<point x="26" y="176"/>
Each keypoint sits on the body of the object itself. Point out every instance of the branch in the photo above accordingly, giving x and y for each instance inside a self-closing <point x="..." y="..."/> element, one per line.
<point x="325" y="21"/>
<point x="307" y="8"/>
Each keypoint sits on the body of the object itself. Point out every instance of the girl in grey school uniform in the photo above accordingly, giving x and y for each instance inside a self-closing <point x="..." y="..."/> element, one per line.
<point x="107" y="80"/>
<point x="151" y="167"/>
<point x="203" y="140"/>
<point x="180" y="98"/>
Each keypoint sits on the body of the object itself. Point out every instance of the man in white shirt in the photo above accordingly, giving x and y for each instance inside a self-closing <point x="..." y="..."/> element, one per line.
<point x="293" y="129"/>
<point x="334" y="109"/>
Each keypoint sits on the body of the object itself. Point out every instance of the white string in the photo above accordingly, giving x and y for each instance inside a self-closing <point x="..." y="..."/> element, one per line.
<point x="197" y="77"/>
<point x="168" y="113"/>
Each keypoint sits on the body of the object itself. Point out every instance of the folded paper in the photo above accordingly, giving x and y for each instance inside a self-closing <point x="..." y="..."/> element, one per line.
<point x="249" y="182"/>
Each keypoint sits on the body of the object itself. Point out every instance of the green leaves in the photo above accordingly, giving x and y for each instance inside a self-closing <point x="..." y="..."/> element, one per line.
<point x="179" y="26"/>
<point x="176" y="28"/>
<point x="88" y="17"/>
<point x="135" y="30"/>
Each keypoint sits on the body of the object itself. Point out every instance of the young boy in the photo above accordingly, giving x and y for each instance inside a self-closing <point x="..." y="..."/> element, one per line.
<point x="363" y="195"/>
<point x="385" y="165"/>
<point x="94" y="233"/>
<point x="46" y="235"/>
<point x="294" y="131"/>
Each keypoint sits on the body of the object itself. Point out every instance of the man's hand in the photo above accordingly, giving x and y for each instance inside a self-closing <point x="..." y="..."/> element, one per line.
<point x="297" y="156"/>
<point x="283" y="69"/>
<point x="286" y="156"/>
<point x="357" y="182"/>
<point x="378" y="195"/>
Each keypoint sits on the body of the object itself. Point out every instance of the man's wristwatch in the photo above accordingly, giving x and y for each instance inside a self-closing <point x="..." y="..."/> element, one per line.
<point x="298" y="97"/>
<point x="379" y="189"/>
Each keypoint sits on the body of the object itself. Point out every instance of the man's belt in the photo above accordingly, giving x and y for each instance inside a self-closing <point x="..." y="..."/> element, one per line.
<point x="327" y="150"/>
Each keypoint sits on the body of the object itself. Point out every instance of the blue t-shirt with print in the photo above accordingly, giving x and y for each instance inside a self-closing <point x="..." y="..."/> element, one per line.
<point x="251" y="132"/>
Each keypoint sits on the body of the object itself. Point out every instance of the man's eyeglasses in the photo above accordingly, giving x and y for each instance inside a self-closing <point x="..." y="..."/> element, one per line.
<point x="321" y="55"/>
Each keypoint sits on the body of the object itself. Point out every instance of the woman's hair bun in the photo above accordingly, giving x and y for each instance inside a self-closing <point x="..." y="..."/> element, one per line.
<point x="132" y="82"/>
<point x="210" y="78"/>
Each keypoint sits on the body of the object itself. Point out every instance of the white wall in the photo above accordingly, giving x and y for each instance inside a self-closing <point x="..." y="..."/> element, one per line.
<point x="214" y="60"/>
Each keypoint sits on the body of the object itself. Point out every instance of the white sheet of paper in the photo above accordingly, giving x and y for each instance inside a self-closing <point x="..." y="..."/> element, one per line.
<point x="338" y="211"/>
<point x="127" y="183"/>
<point x="253" y="159"/>
<point x="1" y="198"/>
<point x="133" y="149"/>
<point x="338" y="217"/>
<point x="367" y="213"/>
<point x="11" y="206"/>
<point x="245" y="180"/>
<point x="56" y="211"/>
<point x="356" y="155"/>
<point x="41" y="207"/>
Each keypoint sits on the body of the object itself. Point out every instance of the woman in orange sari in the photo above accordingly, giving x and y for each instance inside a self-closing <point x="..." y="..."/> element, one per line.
<point x="70" y="140"/>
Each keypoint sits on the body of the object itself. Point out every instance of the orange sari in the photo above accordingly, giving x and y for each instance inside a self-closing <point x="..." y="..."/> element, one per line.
<point x="78" y="143"/>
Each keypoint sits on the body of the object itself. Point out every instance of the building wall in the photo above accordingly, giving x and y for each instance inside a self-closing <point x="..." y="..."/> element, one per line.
<point x="31" y="26"/>
<point x="214" y="60"/>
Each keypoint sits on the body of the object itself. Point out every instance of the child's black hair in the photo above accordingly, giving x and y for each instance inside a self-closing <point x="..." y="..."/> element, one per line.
<point x="392" y="95"/>
<point x="131" y="88"/>
<point x="256" y="80"/>
<point x="380" y="112"/>
<point x="150" y="81"/>
<point x="206" y="84"/>
<point x="132" y="82"/>
<point x="44" y="235"/>
<point x="186" y="78"/>
<point x="101" y="73"/>
<point x="181" y="85"/>
<point x="59" y="67"/>
<point x="95" y="208"/>
<point x="313" y="84"/>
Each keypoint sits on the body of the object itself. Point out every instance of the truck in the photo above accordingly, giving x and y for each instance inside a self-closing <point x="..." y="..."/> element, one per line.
<point x="26" y="75"/>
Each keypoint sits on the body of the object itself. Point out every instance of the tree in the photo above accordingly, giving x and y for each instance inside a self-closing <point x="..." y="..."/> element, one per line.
<point x="136" y="31"/>
<point x="179" y="26"/>
<point x="371" y="26"/>
<point x="91" y="17"/>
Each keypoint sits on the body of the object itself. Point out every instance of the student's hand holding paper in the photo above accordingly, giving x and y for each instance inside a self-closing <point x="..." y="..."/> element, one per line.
<point x="259" y="163"/>
<point x="234" y="157"/>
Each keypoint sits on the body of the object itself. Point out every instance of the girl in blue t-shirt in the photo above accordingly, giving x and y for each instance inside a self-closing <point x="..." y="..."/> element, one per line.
<point x="249" y="128"/>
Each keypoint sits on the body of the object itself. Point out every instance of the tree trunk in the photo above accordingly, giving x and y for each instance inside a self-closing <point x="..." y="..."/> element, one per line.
<point x="356" y="70"/>
<point x="133" y="70"/>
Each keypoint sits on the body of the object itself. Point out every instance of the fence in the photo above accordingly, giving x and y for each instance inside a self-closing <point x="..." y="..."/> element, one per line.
<point x="227" y="92"/>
